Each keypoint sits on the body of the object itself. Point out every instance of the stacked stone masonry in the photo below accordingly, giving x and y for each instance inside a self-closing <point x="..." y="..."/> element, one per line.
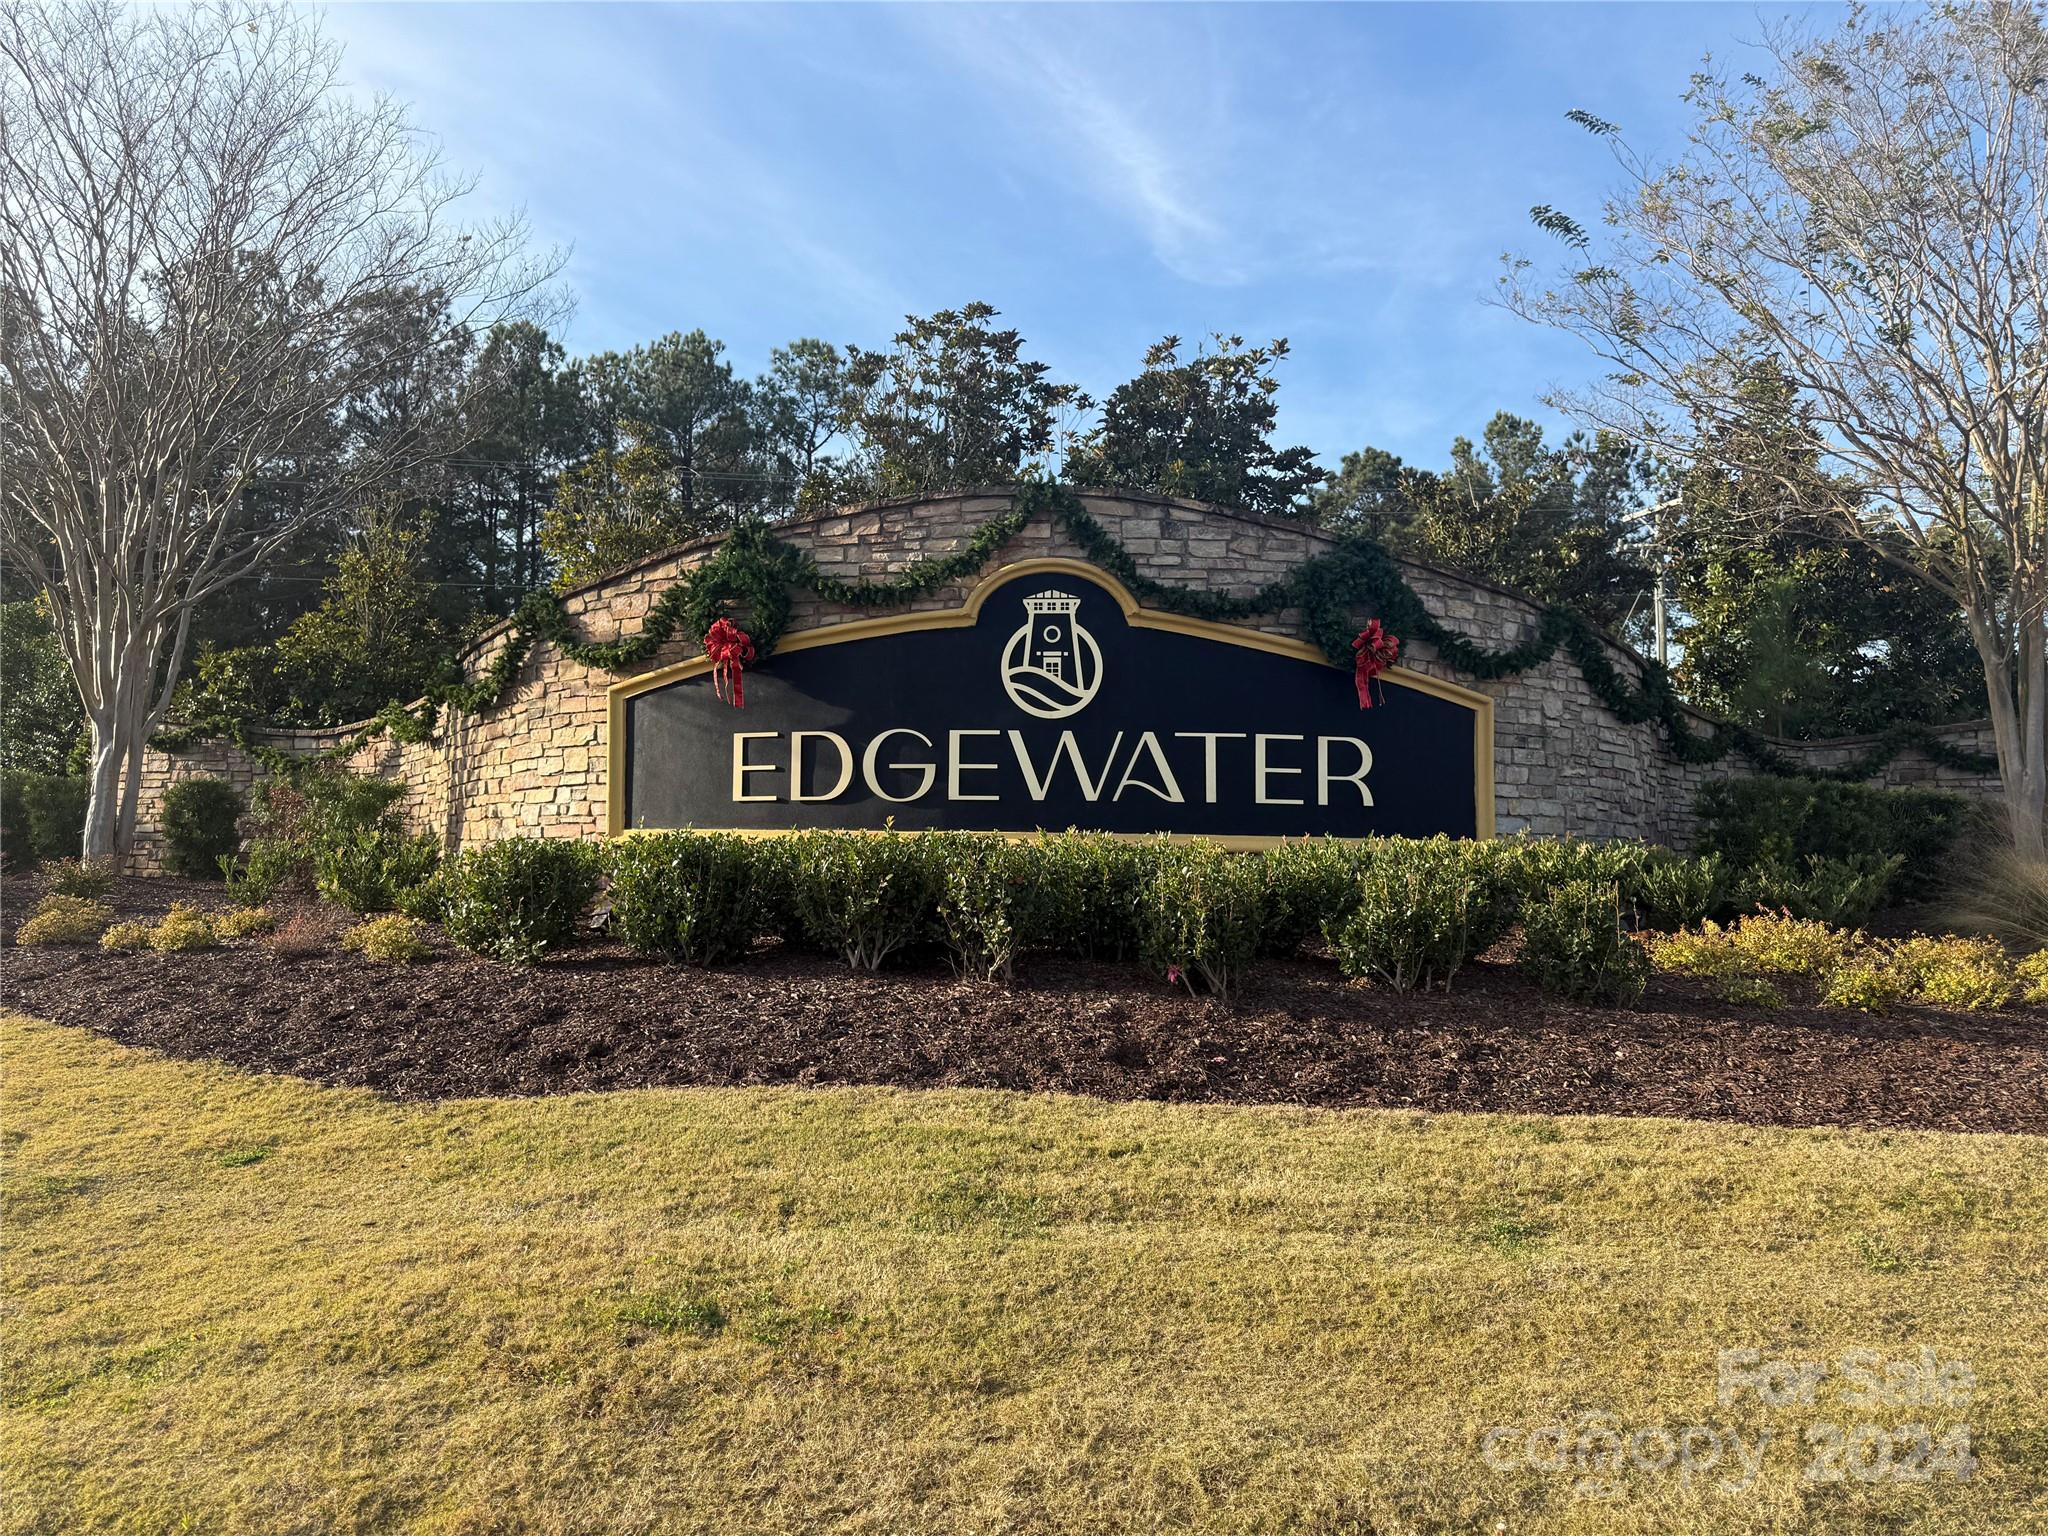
<point x="536" y="764"/>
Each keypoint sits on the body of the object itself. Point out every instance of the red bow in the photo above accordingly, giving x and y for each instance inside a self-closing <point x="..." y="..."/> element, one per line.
<point x="730" y="650"/>
<point x="1376" y="651"/>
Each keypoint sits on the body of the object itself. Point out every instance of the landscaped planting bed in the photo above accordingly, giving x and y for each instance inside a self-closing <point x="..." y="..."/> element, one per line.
<point x="599" y="1016"/>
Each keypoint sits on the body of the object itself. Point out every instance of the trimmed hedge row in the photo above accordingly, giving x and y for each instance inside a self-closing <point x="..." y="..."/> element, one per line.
<point x="1406" y="913"/>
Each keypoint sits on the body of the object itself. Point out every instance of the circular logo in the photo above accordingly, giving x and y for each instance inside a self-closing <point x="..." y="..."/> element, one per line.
<point x="1051" y="666"/>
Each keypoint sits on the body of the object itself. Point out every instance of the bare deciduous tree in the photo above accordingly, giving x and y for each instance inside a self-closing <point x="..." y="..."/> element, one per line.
<point x="206" y="239"/>
<point x="1868" y="222"/>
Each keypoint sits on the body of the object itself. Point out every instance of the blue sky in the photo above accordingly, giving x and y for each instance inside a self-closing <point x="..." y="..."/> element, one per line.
<point x="1344" y="176"/>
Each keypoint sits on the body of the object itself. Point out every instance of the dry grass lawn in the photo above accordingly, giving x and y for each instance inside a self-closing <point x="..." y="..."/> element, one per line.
<point x="248" y="1304"/>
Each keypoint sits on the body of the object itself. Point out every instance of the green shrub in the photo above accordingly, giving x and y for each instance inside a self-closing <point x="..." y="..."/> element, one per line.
<point x="1311" y="886"/>
<point x="697" y="897"/>
<point x="389" y="940"/>
<point x="199" y="826"/>
<point x="863" y="897"/>
<point x="1415" y="921"/>
<point x="983" y="902"/>
<point x="517" y="899"/>
<point x="1672" y="891"/>
<point x="1845" y="891"/>
<point x="1868" y="983"/>
<point x="1788" y="821"/>
<point x="1764" y="943"/>
<point x="1087" y="890"/>
<point x="424" y="902"/>
<point x="82" y="877"/>
<point x="127" y="936"/>
<point x="183" y="928"/>
<point x="1956" y="972"/>
<point x="42" y="816"/>
<point x="2033" y="974"/>
<point x="367" y="869"/>
<point x="1205" y="916"/>
<point x="322" y="810"/>
<point x="1577" y="946"/>
<point x="59" y="919"/>
<point x="244" y="923"/>
<point x="1750" y="992"/>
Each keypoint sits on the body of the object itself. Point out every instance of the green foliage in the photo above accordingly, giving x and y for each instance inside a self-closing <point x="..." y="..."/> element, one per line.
<point x="375" y="637"/>
<point x="1311" y="887"/>
<point x="984" y="905"/>
<point x="1758" y="821"/>
<point x="1200" y="429"/>
<point x="951" y="403"/>
<point x="368" y="869"/>
<point x="244" y="923"/>
<point x="1204" y="916"/>
<point x="82" y="877"/>
<point x="42" y="816"/>
<point x="389" y="940"/>
<point x="614" y="508"/>
<point x="1547" y="521"/>
<point x="701" y="898"/>
<point x="1672" y="891"/>
<point x="199" y="826"/>
<point x="40" y="716"/>
<point x="1846" y="891"/>
<point x="58" y="919"/>
<point x="1865" y="983"/>
<point x="333" y="831"/>
<point x="1414" y="925"/>
<point x="183" y="928"/>
<point x="517" y="899"/>
<point x="864" y="897"/>
<point x="1086" y="893"/>
<point x="1575" y="944"/>
<point x="754" y="570"/>
<point x="1785" y="626"/>
<point x="127" y="937"/>
<point x="1956" y="972"/>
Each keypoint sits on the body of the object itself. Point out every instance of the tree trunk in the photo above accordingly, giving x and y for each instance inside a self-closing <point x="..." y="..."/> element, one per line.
<point x="2017" y="706"/>
<point x="103" y="808"/>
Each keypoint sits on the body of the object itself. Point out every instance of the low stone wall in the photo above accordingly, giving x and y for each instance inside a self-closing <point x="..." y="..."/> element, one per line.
<point x="536" y="765"/>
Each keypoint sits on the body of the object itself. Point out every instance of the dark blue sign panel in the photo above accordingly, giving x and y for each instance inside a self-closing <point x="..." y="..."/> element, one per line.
<point x="1052" y="701"/>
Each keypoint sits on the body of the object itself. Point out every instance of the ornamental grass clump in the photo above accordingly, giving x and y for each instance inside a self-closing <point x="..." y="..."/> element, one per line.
<point x="518" y="899"/>
<point x="60" y="919"/>
<point x="183" y="928"/>
<point x="1577" y="946"/>
<point x="389" y="940"/>
<point x="1205" y="917"/>
<point x="697" y="897"/>
<point x="1424" y="909"/>
<point x="864" y="898"/>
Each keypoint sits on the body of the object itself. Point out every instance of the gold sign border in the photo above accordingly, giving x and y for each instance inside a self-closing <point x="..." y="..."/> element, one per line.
<point x="969" y="611"/>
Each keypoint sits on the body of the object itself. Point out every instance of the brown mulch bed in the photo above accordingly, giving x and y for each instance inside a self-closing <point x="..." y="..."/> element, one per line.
<point x="598" y="1018"/>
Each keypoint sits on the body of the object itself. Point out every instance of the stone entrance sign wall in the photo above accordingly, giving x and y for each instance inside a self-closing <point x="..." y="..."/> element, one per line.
<point x="539" y="764"/>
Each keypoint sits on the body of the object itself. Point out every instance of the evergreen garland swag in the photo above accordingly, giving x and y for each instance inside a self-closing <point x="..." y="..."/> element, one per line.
<point x="755" y="570"/>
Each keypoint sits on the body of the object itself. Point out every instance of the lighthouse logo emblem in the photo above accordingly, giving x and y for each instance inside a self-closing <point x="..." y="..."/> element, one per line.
<point x="1051" y="666"/>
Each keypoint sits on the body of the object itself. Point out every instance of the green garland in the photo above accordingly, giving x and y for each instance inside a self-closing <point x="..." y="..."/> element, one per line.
<point x="759" y="572"/>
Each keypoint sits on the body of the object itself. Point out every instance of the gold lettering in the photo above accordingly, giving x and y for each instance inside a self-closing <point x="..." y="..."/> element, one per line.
<point x="1261" y="770"/>
<point x="1325" y="778"/>
<point x="796" y="765"/>
<point x="741" y="767"/>
<point x="1208" y="739"/>
<point x="867" y="766"/>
